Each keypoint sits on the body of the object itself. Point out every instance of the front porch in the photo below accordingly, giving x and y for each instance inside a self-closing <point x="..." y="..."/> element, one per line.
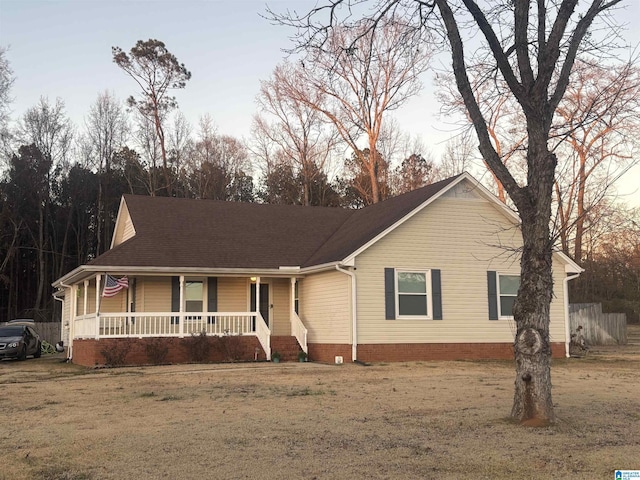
<point x="241" y="313"/>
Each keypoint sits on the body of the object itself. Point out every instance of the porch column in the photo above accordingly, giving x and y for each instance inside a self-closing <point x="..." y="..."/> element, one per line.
<point x="258" y="294"/>
<point x="86" y="296"/>
<point x="181" y="309"/>
<point x="98" y="294"/>
<point x="292" y="310"/>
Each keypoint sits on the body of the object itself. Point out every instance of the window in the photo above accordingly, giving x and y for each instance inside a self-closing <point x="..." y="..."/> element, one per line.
<point x="507" y="290"/>
<point x="412" y="294"/>
<point x="193" y="296"/>
<point x="296" y="298"/>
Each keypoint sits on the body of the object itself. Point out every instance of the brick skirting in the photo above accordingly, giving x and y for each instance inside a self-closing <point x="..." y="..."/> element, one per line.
<point x="145" y="351"/>
<point x="139" y="351"/>
<point x="327" y="352"/>
<point x="408" y="352"/>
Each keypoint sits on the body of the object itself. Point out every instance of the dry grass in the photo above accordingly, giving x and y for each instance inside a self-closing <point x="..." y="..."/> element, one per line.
<point x="245" y="421"/>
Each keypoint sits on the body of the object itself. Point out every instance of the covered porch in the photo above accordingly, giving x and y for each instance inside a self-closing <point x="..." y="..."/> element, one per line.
<point x="185" y="305"/>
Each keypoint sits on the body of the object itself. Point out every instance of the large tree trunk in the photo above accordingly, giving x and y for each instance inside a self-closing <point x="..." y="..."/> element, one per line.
<point x="532" y="403"/>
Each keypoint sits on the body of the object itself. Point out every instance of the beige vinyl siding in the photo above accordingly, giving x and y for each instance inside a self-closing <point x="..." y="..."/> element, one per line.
<point x="233" y="294"/>
<point x="66" y="316"/>
<point x="91" y="297"/>
<point x="279" y="290"/>
<point x="557" y="332"/>
<point x="117" y="303"/>
<point x="124" y="230"/>
<point x="154" y="294"/>
<point x="461" y="237"/>
<point x="325" y="307"/>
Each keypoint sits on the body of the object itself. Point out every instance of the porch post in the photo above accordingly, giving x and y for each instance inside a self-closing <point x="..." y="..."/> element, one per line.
<point x="181" y="309"/>
<point x="292" y="303"/>
<point x="98" y="302"/>
<point x="86" y="296"/>
<point x="257" y="295"/>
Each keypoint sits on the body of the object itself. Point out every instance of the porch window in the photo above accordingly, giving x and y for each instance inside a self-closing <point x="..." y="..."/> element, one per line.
<point x="296" y="300"/>
<point x="193" y="293"/>
<point x="508" y="286"/>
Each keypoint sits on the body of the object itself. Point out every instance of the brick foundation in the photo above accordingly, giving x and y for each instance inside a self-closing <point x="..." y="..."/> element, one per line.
<point x="327" y="352"/>
<point x="146" y="351"/>
<point x="408" y="352"/>
<point x="140" y="351"/>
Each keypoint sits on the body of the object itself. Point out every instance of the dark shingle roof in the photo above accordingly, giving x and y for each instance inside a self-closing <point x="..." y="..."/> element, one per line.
<point x="173" y="232"/>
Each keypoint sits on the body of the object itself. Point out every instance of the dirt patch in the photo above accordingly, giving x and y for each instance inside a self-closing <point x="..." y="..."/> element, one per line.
<point x="245" y="421"/>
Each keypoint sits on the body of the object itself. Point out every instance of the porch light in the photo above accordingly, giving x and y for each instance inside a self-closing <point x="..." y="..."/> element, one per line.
<point x="253" y="279"/>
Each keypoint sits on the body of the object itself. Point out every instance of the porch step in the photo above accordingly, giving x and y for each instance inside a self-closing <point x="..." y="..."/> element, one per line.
<point x="287" y="347"/>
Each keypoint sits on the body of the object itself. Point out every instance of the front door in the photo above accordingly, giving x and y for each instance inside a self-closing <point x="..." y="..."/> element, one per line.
<point x="264" y="300"/>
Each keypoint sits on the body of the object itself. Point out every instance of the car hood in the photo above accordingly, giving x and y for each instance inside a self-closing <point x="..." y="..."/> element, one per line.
<point x="10" y="339"/>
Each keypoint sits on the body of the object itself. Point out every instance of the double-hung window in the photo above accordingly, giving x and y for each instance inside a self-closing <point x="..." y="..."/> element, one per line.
<point x="413" y="298"/>
<point x="508" y="286"/>
<point x="193" y="293"/>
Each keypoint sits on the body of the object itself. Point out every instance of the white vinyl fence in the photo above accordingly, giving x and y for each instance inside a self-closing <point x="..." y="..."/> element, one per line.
<point x="598" y="328"/>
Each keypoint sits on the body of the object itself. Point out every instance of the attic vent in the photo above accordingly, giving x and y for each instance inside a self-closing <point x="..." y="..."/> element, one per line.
<point x="462" y="190"/>
<point x="128" y="230"/>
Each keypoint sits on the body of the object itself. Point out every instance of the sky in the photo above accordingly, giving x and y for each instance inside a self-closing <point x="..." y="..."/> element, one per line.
<point x="62" y="48"/>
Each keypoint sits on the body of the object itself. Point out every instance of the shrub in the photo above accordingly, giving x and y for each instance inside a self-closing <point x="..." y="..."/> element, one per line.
<point x="157" y="350"/>
<point x="229" y="347"/>
<point x="197" y="346"/>
<point x="115" y="354"/>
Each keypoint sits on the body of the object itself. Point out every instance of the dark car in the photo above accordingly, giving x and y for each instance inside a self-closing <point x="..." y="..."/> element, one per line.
<point x="18" y="339"/>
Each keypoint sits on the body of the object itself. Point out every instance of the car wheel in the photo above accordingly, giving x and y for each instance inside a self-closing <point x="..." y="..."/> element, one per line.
<point x="38" y="352"/>
<point x="23" y="353"/>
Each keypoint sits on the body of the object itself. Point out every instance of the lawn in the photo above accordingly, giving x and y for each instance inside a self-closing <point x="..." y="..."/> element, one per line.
<point x="247" y="421"/>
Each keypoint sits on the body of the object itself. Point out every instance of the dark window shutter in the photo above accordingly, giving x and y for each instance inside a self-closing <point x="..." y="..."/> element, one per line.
<point x="436" y="294"/>
<point x="493" y="295"/>
<point x="390" y="293"/>
<point x="175" y="298"/>
<point x="212" y="297"/>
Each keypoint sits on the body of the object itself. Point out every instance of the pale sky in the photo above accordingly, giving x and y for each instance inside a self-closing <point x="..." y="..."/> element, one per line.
<point x="62" y="48"/>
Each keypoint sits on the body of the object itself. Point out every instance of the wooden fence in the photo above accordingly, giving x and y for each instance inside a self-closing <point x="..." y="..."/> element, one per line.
<point x="598" y="328"/>
<point x="49" y="331"/>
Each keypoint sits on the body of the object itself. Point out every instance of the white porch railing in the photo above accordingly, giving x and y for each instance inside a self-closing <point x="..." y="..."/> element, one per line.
<point x="173" y="324"/>
<point x="299" y="331"/>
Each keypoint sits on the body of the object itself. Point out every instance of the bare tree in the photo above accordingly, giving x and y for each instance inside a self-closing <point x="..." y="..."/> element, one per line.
<point x="218" y="165"/>
<point x="295" y="129"/>
<point x="499" y="109"/>
<point x="599" y="127"/>
<point x="458" y="156"/>
<point x="106" y="131"/>
<point x="532" y="46"/>
<point x="156" y="71"/>
<point x="357" y="76"/>
<point x="48" y="128"/>
<point x="6" y="82"/>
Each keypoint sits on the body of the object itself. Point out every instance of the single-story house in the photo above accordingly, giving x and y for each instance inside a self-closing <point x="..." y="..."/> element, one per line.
<point x="431" y="274"/>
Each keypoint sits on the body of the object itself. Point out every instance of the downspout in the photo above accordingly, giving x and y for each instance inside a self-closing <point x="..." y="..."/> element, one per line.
<point x="567" y="327"/>
<point x="354" y="316"/>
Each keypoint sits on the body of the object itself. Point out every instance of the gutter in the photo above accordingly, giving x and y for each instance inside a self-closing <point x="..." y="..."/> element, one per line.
<point x="567" y="327"/>
<point x="354" y="316"/>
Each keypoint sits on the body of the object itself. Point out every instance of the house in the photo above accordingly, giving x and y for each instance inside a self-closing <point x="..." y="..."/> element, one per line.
<point x="431" y="274"/>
